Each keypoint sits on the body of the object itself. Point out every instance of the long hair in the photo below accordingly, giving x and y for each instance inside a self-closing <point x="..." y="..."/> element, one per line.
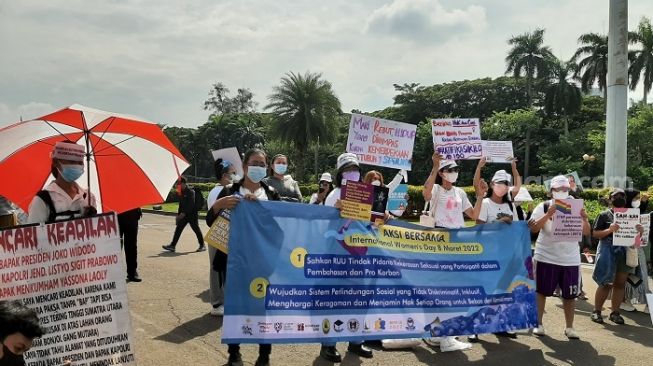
<point x="18" y="318"/>
<point x="221" y="168"/>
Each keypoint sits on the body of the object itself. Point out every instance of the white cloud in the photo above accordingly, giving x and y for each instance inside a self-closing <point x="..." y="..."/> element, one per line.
<point x="424" y="20"/>
<point x="23" y="112"/>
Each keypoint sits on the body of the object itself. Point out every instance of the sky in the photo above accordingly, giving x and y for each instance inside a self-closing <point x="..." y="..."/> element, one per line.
<point x="158" y="58"/>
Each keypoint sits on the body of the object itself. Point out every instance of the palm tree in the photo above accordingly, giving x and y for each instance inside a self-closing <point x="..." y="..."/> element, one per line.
<point x="304" y="109"/>
<point x="641" y="61"/>
<point x="529" y="58"/>
<point x="593" y="64"/>
<point x="562" y="96"/>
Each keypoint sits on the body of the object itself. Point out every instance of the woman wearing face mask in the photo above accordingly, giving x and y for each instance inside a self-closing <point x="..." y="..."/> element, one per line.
<point x="325" y="187"/>
<point x="250" y="188"/>
<point x="63" y="198"/>
<point x="226" y="175"/>
<point x="283" y="183"/>
<point x="348" y="170"/>
<point x="19" y="325"/>
<point x="610" y="269"/>
<point x="640" y="201"/>
<point x="557" y="264"/>
<point x="449" y="205"/>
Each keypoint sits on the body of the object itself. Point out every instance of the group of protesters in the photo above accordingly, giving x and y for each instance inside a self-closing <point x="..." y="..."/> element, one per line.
<point x="556" y="264"/>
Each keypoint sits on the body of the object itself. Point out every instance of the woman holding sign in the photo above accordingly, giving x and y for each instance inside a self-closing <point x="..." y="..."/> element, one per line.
<point x="250" y="188"/>
<point x="610" y="270"/>
<point x="635" y="290"/>
<point x="449" y="205"/>
<point x="557" y="264"/>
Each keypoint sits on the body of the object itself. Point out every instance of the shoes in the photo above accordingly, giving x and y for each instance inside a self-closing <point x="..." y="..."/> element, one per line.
<point x="202" y="248"/>
<point x="330" y="353"/>
<point x="170" y="248"/>
<point x="473" y="338"/>
<point x="539" y="331"/>
<point x="571" y="333"/>
<point x="508" y="334"/>
<point x="235" y="360"/>
<point x="582" y="296"/>
<point x="596" y="317"/>
<point x="616" y="318"/>
<point x="262" y="361"/>
<point x="627" y="306"/>
<point x="134" y="278"/>
<point x="360" y="349"/>
<point x="450" y="344"/>
<point x="217" y="310"/>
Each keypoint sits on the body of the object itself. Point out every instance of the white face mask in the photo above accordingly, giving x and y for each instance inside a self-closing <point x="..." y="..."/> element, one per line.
<point x="560" y="195"/>
<point x="635" y="204"/>
<point x="376" y="183"/>
<point x="451" y="177"/>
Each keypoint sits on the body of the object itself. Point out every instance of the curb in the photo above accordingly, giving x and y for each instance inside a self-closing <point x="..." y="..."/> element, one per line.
<point x="164" y="213"/>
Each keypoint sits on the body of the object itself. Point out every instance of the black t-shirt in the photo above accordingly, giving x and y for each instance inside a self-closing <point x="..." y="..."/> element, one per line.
<point x="603" y="221"/>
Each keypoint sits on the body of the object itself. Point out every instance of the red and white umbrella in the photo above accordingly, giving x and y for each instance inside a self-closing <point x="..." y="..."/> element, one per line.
<point x="130" y="161"/>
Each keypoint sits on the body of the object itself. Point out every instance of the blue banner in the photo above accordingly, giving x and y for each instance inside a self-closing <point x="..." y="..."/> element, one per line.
<point x="300" y="273"/>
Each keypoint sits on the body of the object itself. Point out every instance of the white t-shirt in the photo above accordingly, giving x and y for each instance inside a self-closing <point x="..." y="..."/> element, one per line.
<point x="39" y="211"/>
<point x="259" y="193"/>
<point x="333" y="197"/>
<point x="450" y="206"/>
<point x="213" y="195"/>
<point x="490" y="210"/>
<point x="548" y="251"/>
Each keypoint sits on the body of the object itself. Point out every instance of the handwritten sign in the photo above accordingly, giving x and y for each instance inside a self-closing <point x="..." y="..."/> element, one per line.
<point x="497" y="151"/>
<point x="218" y="234"/>
<point x="627" y="219"/>
<point x="381" y="142"/>
<point x="567" y="222"/>
<point x="457" y="138"/>
<point x="70" y="273"/>
<point x="645" y="221"/>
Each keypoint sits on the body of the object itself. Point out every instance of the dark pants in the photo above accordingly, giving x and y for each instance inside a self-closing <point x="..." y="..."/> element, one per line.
<point x="181" y="224"/>
<point x="128" y="222"/>
<point x="263" y="349"/>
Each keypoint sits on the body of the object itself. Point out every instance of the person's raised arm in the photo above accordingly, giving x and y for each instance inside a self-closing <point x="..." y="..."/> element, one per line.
<point x="430" y="181"/>
<point x="516" y="178"/>
<point x="477" y="173"/>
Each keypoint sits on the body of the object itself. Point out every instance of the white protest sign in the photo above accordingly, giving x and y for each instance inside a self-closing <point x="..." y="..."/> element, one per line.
<point x="627" y="219"/>
<point x="497" y="151"/>
<point x="70" y="273"/>
<point x="567" y="222"/>
<point x="231" y="155"/>
<point x="457" y="138"/>
<point x="645" y="221"/>
<point x="381" y="142"/>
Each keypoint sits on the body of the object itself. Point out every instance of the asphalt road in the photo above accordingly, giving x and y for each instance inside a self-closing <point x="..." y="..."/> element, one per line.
<point x="169" y="313"/>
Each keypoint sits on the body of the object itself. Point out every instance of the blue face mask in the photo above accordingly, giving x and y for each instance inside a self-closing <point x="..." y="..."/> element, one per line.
<point x="71" y="172"/>
<point x="280" y="168"/>
<point x="256" y="173"/>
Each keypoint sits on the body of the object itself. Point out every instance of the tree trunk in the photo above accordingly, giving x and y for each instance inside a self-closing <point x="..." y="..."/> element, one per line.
<point x="301" y="164"/>
<point x="566" y="122"/>
<point x="645" y="99"/>
<point x="529" y="91"/>
<point x="527" y="153"/>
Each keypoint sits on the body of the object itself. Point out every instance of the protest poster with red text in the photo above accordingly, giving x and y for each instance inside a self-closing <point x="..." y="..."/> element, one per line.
<point x="381" y="142"/>
<point x="457" y="138"/>
<point x="71" y="273"/>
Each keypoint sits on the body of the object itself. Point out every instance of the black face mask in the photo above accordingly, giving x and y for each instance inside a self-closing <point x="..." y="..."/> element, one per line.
<point x="11" y="359"/>
<point x="619" y="202"/>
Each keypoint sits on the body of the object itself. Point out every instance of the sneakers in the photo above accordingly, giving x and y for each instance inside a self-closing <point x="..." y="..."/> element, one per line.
<point x="331" y="354"/>
<point x="539" y="331"/>
<point x="134" y="278"/>
<point x="571" y="333"/>
<point x="627" y="306"/>
<point x="217" y="310"/>
<point x="450" y="344"/>
<point x="262" y="361"/>
<point x="473" y="338"/>
<point x="596" y="317"/>
<point x="616" y="318"/>
<point x="360" y="349"/>
<point x="201" y="248"/>
<point x="170" y="248"/>
<point x="235" y="360"/>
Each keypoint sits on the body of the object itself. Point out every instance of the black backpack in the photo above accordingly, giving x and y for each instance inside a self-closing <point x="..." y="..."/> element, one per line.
<point x="199" y="199"/>
<point x="53" y="214"/>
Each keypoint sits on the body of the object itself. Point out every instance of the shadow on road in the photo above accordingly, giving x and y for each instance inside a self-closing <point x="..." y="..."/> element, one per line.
<point x="192" y="329"/>
<point x="167" y="254"/>
<point x="576" y="352"/>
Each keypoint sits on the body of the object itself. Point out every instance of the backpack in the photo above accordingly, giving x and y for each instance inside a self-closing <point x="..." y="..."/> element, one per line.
<point x="53" y="214"/>
<point x="199" y="199"/>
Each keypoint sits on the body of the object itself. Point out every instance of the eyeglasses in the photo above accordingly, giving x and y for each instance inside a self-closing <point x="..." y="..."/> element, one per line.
<point x="452" y="170"/>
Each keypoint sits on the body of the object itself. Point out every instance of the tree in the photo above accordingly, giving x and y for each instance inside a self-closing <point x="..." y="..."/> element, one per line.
<point x="562" y="95"/>
<point x="528" y="57"/>
<point x="592" y="60"/>
<point x="641" y="61"/>
<point x="219" y="103"/>
<point x="304" y="109"/>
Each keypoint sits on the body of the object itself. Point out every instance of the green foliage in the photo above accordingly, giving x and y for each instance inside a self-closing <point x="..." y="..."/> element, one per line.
<point x="641" y="60"/>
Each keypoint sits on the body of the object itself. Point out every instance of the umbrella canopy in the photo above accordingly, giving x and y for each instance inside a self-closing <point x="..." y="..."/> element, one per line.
<point x="130" y="161"/>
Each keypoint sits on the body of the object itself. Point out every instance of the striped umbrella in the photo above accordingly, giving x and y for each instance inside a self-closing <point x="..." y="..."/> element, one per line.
<point x="129" y="161"/>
